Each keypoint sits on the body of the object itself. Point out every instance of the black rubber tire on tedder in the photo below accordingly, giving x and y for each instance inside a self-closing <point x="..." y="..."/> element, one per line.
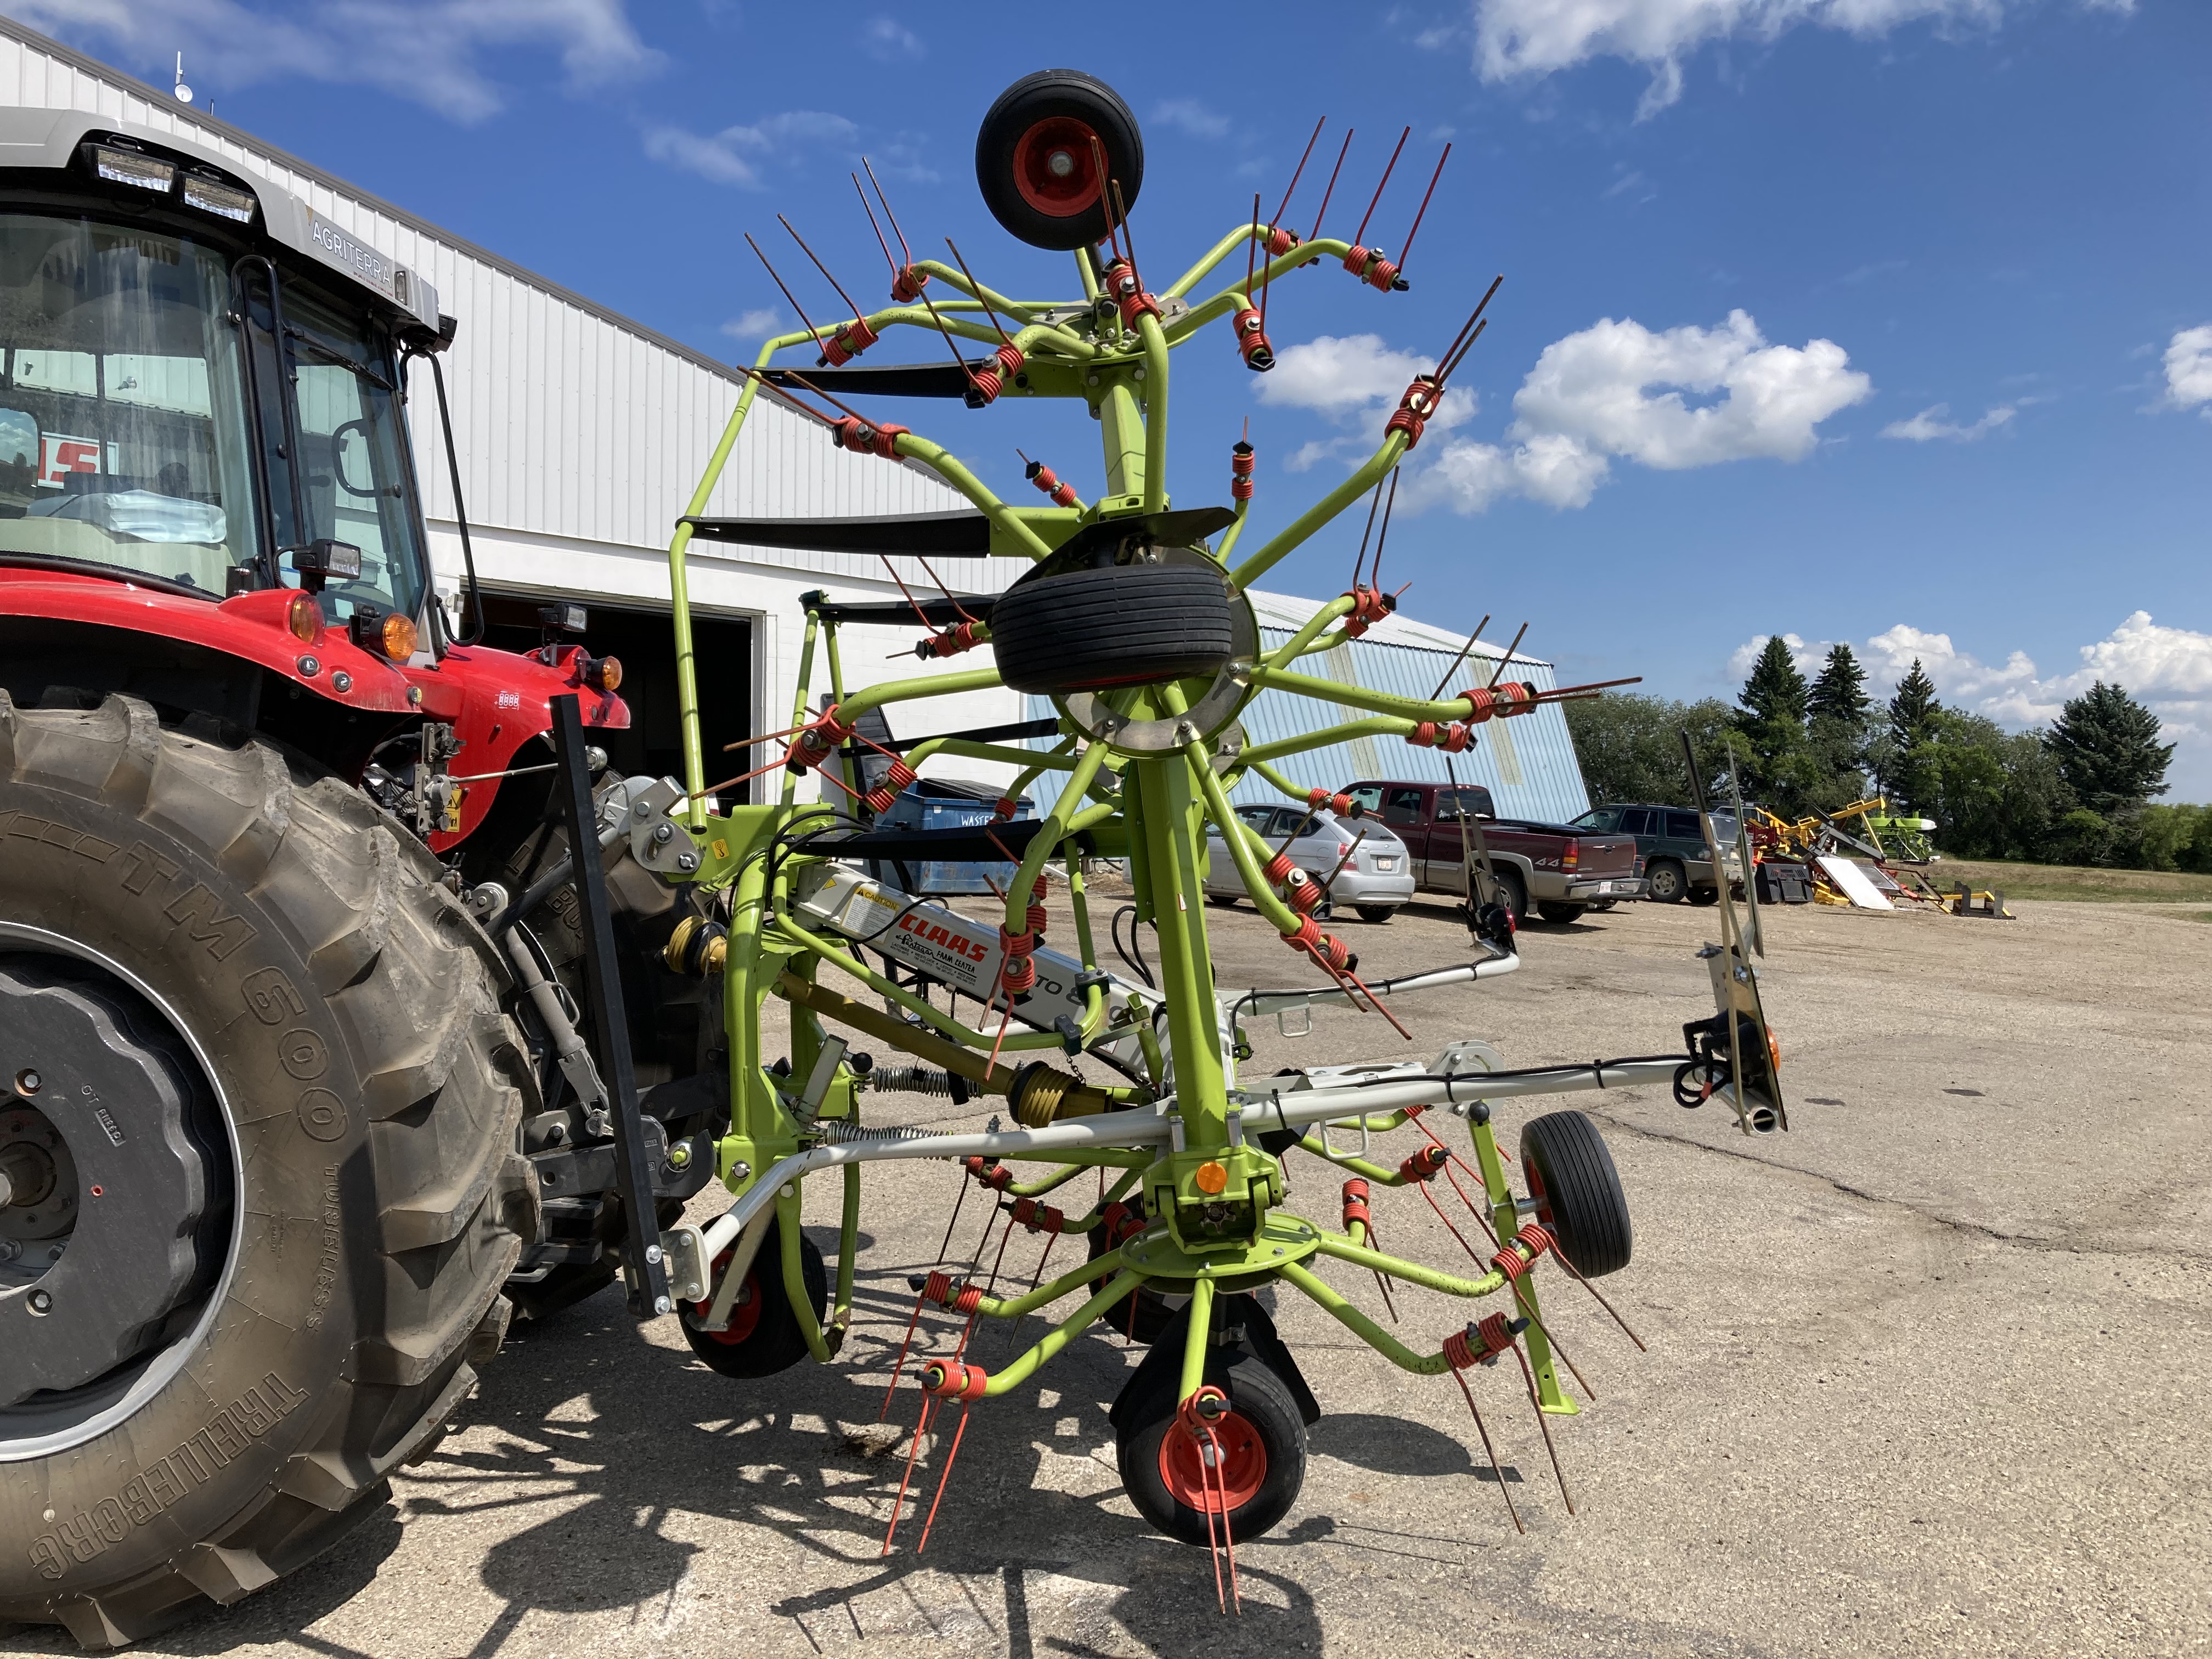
<point x="1091" y="630"/>
<point x="1577" y="1191"/>
<point x="1263" y="1444"/>
<point x="342" y="1012"/>
<point x="1034" y="165"/>
<point x="763" y="1336"/>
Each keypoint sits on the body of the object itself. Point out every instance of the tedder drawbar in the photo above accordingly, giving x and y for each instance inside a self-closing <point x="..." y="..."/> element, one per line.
<point x="1133" y="619"/>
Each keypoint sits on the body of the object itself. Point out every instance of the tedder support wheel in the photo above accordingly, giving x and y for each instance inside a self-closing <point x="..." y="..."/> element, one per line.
<point x="1666" y="883"/>
<point x="1262" y="1463"/>
<point x="1577" y="1191"/>
<point x="1376" y="914"/>
<point x="1035" y="166"/>
<point x="1552" y="910"/>
<point x="1092" y="630"/>
<point x="259" y="1111"/>
<point x="763" y="1336"/>
<point x="1513" y="894"/>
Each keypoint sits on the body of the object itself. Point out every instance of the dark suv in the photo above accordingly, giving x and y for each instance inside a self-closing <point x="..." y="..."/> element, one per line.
<point x="1676" y="862"/>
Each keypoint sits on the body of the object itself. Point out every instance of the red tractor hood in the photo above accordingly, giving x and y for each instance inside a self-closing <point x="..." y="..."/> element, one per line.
<point x="496" y="700"/>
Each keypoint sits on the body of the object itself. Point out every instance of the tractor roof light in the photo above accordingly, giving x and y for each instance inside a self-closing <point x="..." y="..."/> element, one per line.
<point x="305" y="618"/>
<point x="600" y="673"/>
<point x="213" y="196"/>
<point x="131" y="167"/>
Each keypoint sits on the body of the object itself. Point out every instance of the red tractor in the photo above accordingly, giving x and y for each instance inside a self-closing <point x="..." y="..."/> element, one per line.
<point x="269" y="1097"/>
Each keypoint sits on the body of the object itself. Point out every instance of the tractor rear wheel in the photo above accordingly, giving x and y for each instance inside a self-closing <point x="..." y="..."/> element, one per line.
<point x="258" y="1109"/>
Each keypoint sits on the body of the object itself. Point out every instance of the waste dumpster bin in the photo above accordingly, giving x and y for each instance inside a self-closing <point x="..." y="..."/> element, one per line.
<point x="946" y="803"/>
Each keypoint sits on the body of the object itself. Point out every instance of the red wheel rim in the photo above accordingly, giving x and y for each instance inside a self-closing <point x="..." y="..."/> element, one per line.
<point x="1536" y="1191"/>
<point x="1054" y="168"/>
<point x="1242" y="1471"/>
<point x="745" y="1312"/>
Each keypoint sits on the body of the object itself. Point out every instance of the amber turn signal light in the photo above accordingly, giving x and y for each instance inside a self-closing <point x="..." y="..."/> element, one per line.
<point x="600" y="673"/>
<point x="305" y="618"/>
<point x="396" y="638"/>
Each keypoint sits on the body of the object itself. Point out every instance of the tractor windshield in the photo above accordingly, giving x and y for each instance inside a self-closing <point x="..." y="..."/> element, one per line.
<point x="127" y="427"/>
<point x="123" y="421"/>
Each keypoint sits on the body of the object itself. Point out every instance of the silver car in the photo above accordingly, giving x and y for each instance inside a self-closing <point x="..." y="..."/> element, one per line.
<point x="1373" y="879"/>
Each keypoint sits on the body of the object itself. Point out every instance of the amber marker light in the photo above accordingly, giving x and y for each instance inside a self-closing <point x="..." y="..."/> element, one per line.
<point x="396" y="638"/>
<point x="305" y="618"/>
<point x="1211" y="1177"/>
<point x="600" y="673"/>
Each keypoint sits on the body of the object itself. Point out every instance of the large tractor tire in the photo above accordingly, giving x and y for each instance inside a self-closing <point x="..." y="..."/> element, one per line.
<point x="258" y="1109"/>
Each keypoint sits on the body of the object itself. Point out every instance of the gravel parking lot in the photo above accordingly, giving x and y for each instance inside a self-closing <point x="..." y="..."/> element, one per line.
<point x="1927" y="1375"/>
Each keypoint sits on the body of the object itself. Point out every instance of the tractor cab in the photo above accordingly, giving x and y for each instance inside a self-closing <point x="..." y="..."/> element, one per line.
<point x="188" y="399"/>
<point x="207" y="498"/>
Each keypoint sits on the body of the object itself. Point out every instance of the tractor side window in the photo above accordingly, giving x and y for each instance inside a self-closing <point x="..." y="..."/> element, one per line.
<point x="1403" y="806"/>
<point x="353" y="464"/>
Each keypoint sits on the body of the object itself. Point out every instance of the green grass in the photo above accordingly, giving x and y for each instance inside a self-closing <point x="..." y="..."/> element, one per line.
<point x="2075" y="884"/>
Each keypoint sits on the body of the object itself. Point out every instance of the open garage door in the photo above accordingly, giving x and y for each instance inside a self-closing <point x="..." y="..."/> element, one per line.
<point x="644" y="638"/>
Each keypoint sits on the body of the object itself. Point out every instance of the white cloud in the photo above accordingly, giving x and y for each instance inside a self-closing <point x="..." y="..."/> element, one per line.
<point x="1517" y="37"/>
<point x="887" y="40"/>
<point x="2189" y="369"/>
<point x="735" y="154"/>
<point x="756" y="325"/>
<point x="427" y="52"/>
<point x="1188" y="115"/>
<point x="1345" y="378"/>
<point x="1614" y="390"/>
<point x="1929" y="424"/>
<point x="1601" y="387"/>
<point x="2168" y="669"/>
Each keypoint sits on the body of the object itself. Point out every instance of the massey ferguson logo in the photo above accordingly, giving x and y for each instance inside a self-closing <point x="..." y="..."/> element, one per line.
<point x="931" y="933"/>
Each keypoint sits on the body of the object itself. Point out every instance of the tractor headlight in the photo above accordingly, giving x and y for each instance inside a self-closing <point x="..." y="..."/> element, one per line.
<point x="126" y="166"/>
<point x="210" y="196"/>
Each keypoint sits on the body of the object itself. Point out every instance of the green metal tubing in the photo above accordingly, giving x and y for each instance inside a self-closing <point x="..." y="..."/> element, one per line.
<point x="1197" y="1339"/>
<point x="1058" y="1178"/>
<point x="800" y="689"/>
<point x="848" y="1238"/>
<point x="1238" y="837"/>
<point x="989" y="751"/>
<point x="789" y="1238"/>
<point x="1489" y="1284"/>
<point x="1057" y="827"/>
<point x="936" y="685"/>
<point x="1358" y="696"/>
<point x="939" y="460"/>
<point x="1421" y="1364"/>
<point x="1121" y="436"/>
<point x="1291" y="649"/>
<point x="1378" y="464"/>
<point x="1156" y="413"/>
<point x="1377" y="725"/>
<point x="1169" y="836"/>
<point x="1062" y="1334"/>
<point x="1237" y="238"/>
<point x="1235" y="528"/>
<point x="875" y="982"/>
<point x="1275" y="778"/>
<point x="1232" y="300"/>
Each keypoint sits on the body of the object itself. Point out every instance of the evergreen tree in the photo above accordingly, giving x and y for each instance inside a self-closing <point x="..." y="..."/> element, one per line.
<point x="2107" y="746"/>
<point x="1913" y="707"/>
<point x="1839" y="693"/>
<point x="1771" y="718"/>
<point x="1775" y="693"/>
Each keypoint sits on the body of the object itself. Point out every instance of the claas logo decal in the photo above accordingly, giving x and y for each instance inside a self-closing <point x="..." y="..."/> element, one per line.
<point x="932" y="933"/>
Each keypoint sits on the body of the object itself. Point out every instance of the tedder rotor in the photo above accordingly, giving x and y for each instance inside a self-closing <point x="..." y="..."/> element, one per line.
<point x="1133" y="618"/>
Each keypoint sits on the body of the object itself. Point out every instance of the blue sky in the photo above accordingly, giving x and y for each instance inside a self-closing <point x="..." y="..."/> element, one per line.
<point x="1880" y="321"/>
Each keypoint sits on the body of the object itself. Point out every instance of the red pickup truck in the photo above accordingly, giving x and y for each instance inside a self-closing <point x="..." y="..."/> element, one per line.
<point x="1562" y="870"/>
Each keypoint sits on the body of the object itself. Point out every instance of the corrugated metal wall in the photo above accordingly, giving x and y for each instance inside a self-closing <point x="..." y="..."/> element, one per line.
<point x="572" y="422"/>
<point x="1528" y="762"/>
